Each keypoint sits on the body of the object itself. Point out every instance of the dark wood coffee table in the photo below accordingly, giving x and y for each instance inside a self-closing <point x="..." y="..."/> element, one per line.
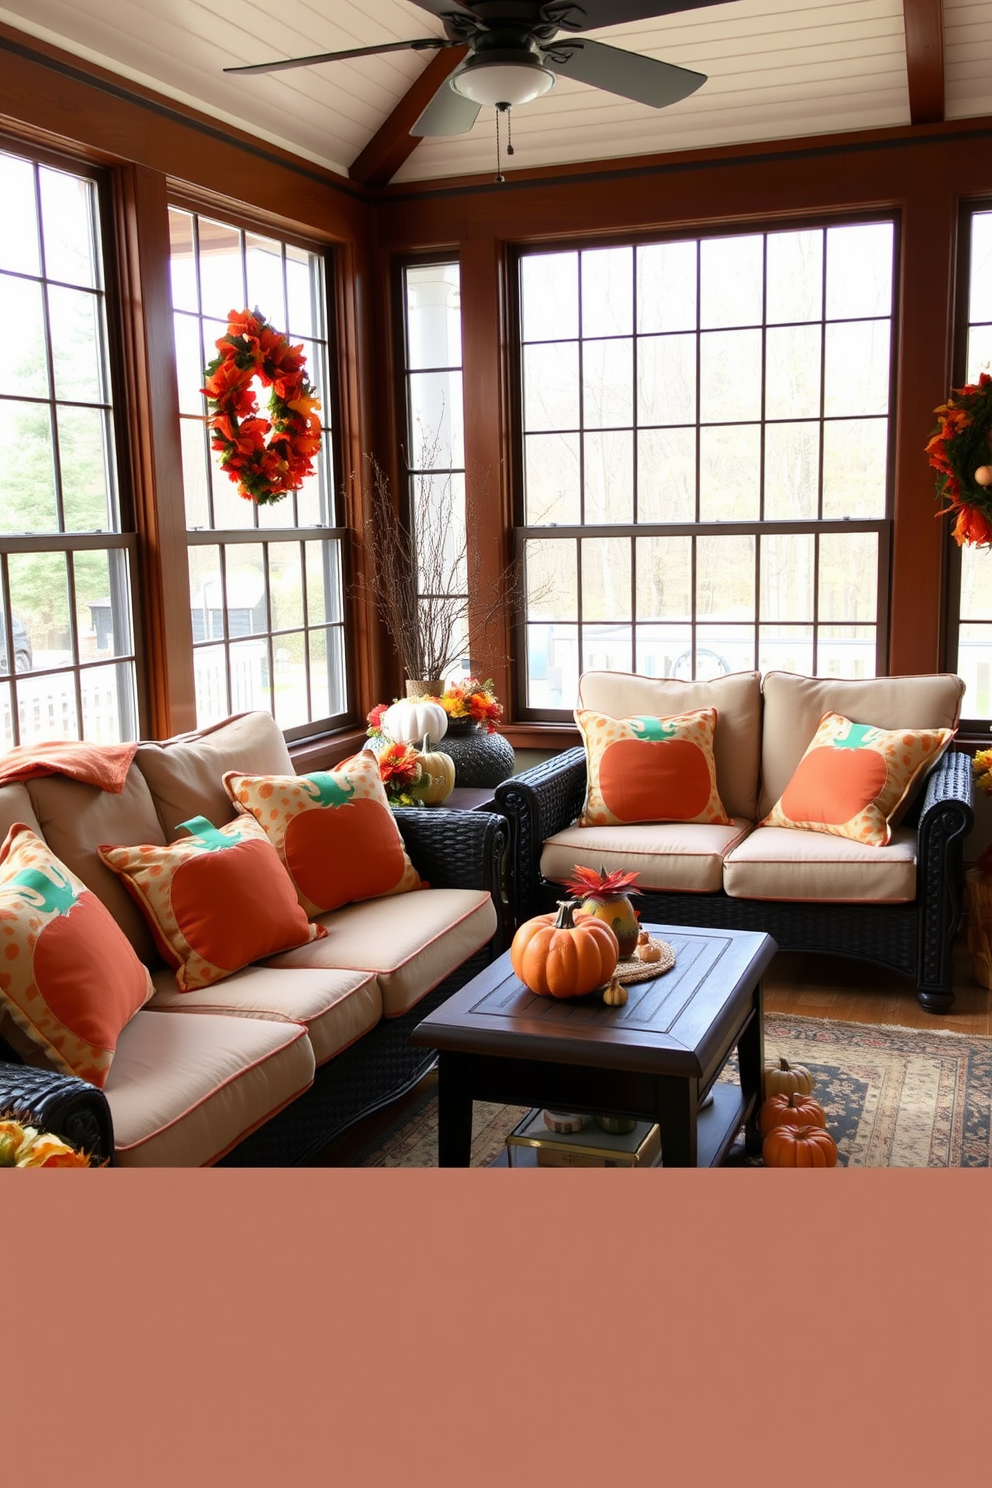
<point x="656" y="1058"/>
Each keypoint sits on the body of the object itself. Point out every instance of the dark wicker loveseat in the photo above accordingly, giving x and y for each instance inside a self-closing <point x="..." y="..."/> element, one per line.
<point x="450" y="850"/>
<point x="914" y="939"/>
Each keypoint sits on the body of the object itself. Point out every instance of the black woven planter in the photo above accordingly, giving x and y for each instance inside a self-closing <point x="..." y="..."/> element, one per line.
<point x="480" y="758"/>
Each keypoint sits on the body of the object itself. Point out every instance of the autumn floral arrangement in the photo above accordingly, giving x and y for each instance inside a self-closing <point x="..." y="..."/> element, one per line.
<point x="267" y="458"/>
<point x="26" y="1147"/>
<point x="960" y="450"/>
<point x="472" y="700"/>
<point x="401" y="772"/>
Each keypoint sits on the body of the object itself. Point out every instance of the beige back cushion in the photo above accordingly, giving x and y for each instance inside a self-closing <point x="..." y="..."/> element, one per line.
<point x="186" y="774"/>
<point x="794" y="706"/>
<point x="737" y="700"/>
<point x="75" y="819"/>
<point x="15" y="806"/>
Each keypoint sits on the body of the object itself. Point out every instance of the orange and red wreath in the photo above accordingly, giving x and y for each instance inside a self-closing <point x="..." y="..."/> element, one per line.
<point x="959" y="450"/>
<point x="270" y="457"/>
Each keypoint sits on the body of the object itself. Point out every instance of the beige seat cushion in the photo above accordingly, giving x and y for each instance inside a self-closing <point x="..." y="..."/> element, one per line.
<point x="789" y="863"/>
<point x="681" y="856"/>
<point x="186" y="774"/>
<point x="736" y="742"/>
<point x="794" y="706"/>
<point x="337" y="1007"/>
<point x="76" y="818"/>
<point x="184" y="1090"/>
<point x="411" y="941"/>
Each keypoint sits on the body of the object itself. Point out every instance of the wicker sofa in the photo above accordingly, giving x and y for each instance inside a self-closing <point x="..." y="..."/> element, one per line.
<point x="899" y="906"/>
<point x="266" y="1065"/>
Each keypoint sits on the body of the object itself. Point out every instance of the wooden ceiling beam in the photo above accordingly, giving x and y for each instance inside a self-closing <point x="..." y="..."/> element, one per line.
<point x="925" y="59"/>
<point x="392" y="142"/>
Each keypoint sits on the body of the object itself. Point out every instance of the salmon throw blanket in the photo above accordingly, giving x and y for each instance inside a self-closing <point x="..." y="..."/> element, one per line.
<point x="104" y="765"/>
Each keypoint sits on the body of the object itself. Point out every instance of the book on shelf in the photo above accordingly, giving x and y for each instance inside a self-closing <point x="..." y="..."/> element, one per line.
<point x="531" y="1143"/>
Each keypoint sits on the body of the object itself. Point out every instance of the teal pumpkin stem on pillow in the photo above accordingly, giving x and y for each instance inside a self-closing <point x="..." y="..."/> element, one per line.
<point x="323" y="787"/>
<point x="51" y="893"/>
<point x="212" y="838"/>
<point x="858" y="737"/>
<point x="654" y="730"/>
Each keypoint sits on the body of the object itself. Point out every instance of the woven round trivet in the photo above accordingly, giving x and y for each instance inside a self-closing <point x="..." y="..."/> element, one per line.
<point x="635" y="970"/>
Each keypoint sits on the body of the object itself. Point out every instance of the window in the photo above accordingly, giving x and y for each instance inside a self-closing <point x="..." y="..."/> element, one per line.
<point x="266" y="583"/>
<point x="973" y="646"/>
<point x="706" y="456"/>
<point x="435" y="442"/>
<point x="67" y="662"/>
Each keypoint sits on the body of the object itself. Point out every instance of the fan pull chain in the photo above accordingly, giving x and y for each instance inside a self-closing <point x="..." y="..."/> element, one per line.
<point x="501" y="108"/>
<point x="509" y="130"/>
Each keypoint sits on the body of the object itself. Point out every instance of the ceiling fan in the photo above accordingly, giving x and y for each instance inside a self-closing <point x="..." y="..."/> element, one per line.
<point x="515" y="55"/>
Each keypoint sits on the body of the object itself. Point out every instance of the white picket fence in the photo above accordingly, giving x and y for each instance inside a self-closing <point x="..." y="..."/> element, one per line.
<point x="46" y="709"/>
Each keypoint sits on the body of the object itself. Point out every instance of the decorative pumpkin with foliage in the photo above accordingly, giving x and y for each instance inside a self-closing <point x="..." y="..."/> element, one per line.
<point x="607" y="896"/>
<point x="799" y="1147"/>
<point x="782" y="1078"/>
<point x="408" y="723"/>
<point x="559" y="956"/>
<point x="439" y="775"/>
<point x="793" y="1109"/>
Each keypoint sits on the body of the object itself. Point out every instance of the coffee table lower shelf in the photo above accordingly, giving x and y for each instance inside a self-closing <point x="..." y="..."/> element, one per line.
<point x="717" y="1127"/>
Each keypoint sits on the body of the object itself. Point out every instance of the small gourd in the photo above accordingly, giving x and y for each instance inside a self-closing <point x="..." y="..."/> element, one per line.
<point x="558" y="956"/>
<point x="794" y="1109"/>
<point x="615" y="995"/>
<point x="782" y="1078"/>
<point x="799" y="1147"/>
<point x="407" y="723"/>
<point x="439" y="775"/>
<point x="649" y="952"/>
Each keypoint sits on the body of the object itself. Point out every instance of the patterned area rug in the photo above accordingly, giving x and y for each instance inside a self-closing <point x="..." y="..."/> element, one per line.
<point x="894" y="1098"/>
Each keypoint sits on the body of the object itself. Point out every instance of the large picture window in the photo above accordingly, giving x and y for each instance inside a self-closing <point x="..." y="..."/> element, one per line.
<point x="973" y="660"/>
<point x="67" y="659"/>
<point x="266" y="583"/>
<point x="706" y="456"/>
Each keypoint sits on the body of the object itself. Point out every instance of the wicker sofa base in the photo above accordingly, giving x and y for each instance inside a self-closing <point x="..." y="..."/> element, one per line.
<point x="379" y="1068"/>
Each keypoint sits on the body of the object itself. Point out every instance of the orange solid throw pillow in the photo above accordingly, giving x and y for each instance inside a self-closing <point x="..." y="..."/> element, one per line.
<point x="854" y="777"/>
<point x="215" y="900"/>
<point x="69" y="977"/>
<point x="333" y="831"/>
<point x="650" y="769"/>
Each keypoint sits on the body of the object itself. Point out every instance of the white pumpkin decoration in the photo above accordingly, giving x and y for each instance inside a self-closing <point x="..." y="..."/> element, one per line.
<point x="408" y="723"/>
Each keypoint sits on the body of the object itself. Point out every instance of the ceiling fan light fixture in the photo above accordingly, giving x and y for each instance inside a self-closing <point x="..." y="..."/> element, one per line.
<point x="489" y="83"/>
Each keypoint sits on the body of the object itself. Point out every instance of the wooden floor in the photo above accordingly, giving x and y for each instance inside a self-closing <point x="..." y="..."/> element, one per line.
<point x="853" y="992"/>
<point x="811" y="986"/>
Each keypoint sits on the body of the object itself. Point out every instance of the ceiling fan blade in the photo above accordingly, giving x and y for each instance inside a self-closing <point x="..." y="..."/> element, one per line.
<point x="590" y="15"/>
<point x="447" y="113"/>
<point x="643" y="79"/>
<point x="428" y="43"/>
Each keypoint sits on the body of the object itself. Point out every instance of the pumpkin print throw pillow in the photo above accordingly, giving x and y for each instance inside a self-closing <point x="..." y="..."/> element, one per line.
<point x="853" y="778"/>
<point x="333" y="831"/>
<point x="215" y="900"/>
<point x="650" y="769"/>
<point x="69" y="977"/>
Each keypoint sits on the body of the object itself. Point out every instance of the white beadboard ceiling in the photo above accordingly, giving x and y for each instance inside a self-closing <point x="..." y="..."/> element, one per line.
<point x="776" y="69"/>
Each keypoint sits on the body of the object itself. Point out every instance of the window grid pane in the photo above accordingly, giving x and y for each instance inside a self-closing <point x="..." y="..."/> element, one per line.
<point x="257" y="641"/>
<point x="974" y="631"/>
<point x="435" y="440"/>
<point x="705" y="432"/>
<point x="67" y="656"/>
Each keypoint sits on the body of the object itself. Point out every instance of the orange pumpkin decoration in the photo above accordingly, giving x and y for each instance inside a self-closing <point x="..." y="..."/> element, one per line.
<point x="799" y="1147"/>
<point x="557" y="956"/>
<point x="794" y="1109"/>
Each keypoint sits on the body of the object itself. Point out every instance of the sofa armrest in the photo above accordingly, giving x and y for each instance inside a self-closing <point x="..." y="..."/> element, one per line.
<point x="456" y="849"/>
<point x="946" y="818"/>
<point x="537" y="804"/>
<point x="68" y="1108"/>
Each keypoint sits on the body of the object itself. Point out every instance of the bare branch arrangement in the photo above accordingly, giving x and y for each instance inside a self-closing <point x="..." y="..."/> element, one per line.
<point x="421" y="580"/>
